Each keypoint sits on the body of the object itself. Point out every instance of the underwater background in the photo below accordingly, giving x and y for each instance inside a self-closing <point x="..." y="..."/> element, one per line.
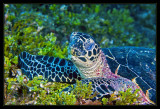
<point x="44" y="29"/>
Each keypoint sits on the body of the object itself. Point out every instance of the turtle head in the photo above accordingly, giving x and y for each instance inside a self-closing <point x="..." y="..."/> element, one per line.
<point x="83" y="50"/>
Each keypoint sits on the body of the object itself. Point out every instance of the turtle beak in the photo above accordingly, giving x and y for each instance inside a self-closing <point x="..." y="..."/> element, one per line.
<point x="71" y="52"/>
<point x="74" y="52"/>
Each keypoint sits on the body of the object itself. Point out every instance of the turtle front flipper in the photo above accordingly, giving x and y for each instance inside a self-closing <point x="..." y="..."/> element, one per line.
<point x="100" y="87"/>
<point x="105" y="87"/>
<point x="51" y="68"/>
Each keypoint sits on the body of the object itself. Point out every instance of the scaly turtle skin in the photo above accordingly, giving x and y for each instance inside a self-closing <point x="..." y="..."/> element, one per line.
<point x="91" y="65"/>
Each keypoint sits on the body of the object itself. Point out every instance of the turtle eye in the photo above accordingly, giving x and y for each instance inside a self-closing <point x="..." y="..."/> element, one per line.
<point x="89" y="46"/>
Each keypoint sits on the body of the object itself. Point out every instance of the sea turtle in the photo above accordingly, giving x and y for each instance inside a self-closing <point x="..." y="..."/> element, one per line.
<point x="109" y="69"/>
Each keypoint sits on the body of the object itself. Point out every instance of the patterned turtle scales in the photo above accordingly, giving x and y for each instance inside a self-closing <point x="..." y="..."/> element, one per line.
<point x="89" y="63"/>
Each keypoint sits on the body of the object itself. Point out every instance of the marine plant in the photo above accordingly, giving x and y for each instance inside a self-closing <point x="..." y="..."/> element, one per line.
<point x="122" y="98"/>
